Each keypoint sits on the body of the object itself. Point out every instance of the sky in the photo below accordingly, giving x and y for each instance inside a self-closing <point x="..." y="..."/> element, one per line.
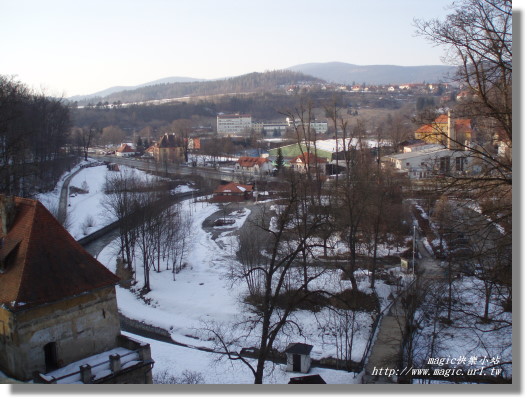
<point x="66" y="48"/>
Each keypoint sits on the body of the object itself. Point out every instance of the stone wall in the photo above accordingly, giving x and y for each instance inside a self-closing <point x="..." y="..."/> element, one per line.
<point x="81" y="326"/>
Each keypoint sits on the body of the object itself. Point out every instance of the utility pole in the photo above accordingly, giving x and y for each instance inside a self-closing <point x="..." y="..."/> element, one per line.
<point x="413" y="254"/>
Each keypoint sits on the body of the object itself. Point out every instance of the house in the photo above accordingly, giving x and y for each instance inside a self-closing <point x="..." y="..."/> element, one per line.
<point x="59" y="321"/>
<point x="149" y="152"/>
<point x="125" y="150"/>
<point x="430" y="161"/>
<point x="169" y="149"/>
<point x="308" y="162"/>
<point x="503" y="144"/>
<point x="253" y="165"/>
<point x="233" y="192"/>
<point x="193" y="143"/>
<point x="453" y="134"/>
<point x="298" y="357"/>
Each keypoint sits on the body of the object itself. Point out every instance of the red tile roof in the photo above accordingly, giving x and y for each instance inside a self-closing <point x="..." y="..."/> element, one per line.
<point x="462" y="125"/>
<point x="249" y="162"/>
<point x="309" y="158"/>
<point x="427" y="129"/>
<point x="233" y="188"/>
<point x="42" y="262"/>
<point x="441" y="119"/>
<point x="125" y="148"/>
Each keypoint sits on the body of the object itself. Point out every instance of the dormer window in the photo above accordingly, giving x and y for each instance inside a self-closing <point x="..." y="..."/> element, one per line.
<point x="7" y="250"/>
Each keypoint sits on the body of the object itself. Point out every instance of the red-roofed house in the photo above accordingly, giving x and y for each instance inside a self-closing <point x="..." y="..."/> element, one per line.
<point x="233" y="192"/>
<point x="125" y="150"/>
<point x="254" y="165"/>
<point x="308" y="161"/>
<point x="58" y="305"/>
<point x="454" y="134"/>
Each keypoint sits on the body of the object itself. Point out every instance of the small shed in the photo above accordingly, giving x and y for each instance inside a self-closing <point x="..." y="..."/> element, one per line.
<point x="298" y="357"/>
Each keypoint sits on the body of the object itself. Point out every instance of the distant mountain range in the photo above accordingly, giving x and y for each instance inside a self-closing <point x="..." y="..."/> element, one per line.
<point x="117" y="89"/>
<point x="340" y="72"/>
<point x="331" y="72"/>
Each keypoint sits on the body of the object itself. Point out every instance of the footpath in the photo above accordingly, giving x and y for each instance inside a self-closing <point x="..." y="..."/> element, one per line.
<point x="382" y="366"/>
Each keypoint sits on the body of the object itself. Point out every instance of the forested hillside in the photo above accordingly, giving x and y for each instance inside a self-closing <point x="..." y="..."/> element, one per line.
<point x="253" y="82"/>
<point x="34" y="131"/>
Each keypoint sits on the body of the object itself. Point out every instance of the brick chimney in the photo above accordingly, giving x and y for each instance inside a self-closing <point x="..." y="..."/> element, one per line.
<point x="7" y="213"/>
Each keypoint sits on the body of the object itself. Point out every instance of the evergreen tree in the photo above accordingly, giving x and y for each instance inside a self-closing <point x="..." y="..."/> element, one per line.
<point x="279" y="160"/>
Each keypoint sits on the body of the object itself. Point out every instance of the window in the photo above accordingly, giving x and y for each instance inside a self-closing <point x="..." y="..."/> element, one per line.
<point x="460" y="164"/>
<point x="444" y="164"/>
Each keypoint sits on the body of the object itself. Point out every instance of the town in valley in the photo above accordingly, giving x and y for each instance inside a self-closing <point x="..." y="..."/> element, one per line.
<point x="278" y="227"/>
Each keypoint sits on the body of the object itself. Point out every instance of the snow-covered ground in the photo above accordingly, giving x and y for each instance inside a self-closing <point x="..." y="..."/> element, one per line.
<point x="86" y="212"/>
<point x="174" y="360"/>
<point x="51" y="199"/>
<point x="202" y="295"/>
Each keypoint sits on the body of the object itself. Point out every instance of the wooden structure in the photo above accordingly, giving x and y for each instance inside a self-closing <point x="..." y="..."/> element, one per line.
<point x="298" y="357"/>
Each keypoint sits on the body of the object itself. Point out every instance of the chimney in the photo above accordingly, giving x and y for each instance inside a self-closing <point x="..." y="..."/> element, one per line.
<point x="86" y="374"/>
<point x="451" y="133"/>
<point x="115" y="363"/>
<point x="7" y="213"/>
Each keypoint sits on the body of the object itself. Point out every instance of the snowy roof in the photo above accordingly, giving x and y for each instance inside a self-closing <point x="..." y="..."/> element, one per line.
<point x="299" y="348"/>
<point x="341" y="145"/>
<point x="100" y="366"/>
<point x="435" y="151"/>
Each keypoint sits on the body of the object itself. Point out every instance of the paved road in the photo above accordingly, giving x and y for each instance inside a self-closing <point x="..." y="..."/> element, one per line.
<point x="207" y="172"/>
<point x="63" y="200"/>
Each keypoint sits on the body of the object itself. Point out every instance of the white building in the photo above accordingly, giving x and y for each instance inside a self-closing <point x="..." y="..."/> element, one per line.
<point x="318" y="126"/>
<point x="270" y="128"/>
<point x="233" y="123"/>
<point x="430" y="161"/>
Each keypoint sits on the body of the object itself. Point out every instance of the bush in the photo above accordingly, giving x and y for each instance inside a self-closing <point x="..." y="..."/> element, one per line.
<point x="187" y="377"/>
<point x="355" y="300"/>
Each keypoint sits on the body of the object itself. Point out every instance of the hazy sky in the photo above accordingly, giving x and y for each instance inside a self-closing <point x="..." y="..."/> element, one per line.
<point x="79" y="47"/>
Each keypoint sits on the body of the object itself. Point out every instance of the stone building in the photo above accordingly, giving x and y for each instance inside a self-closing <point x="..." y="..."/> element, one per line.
<point x="169" y="149"/>
<point x="58" y="305"/>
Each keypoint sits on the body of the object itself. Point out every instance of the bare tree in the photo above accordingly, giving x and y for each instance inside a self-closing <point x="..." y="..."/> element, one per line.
<point x="85" y="138"/>
<point x="120" y="201"/>
<point x="272" y="276"/>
